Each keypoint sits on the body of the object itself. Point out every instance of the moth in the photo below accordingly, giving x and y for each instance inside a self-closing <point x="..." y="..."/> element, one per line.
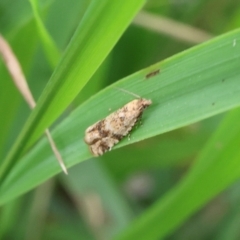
<point x="104" y="134"/>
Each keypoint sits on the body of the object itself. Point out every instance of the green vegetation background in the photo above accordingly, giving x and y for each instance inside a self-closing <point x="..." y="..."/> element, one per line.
<point x="177" y="176"/>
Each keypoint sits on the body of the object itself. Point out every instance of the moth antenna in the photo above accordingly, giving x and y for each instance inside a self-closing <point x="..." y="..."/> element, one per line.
<point x="126" y="91"/>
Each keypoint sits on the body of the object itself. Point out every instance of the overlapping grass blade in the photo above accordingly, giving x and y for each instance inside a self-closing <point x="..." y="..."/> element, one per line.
<point x="102" y="26"/>
<point x="191" y="86"/>
<point x="217" y="167"/>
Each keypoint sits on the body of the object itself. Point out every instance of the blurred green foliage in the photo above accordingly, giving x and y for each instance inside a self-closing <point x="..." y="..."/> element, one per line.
<point x="182" y="184"/>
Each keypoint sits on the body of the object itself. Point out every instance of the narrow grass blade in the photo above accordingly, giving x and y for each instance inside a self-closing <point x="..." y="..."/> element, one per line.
<point x="216" y="168"/>
<point x="20" y="81"/>
<point x="78" y="64"/>
<point x="51" y="50"/>
<point x="191" y="86"/>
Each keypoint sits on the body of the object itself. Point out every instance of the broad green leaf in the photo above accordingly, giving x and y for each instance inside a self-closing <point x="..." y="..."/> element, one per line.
<point x="217" y="167"/>
<point x="185" y="142"/>
<point x="191" y="86"/>
<point x="102" y="26"/>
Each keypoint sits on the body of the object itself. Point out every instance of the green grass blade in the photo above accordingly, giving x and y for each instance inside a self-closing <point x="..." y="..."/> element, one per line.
<point x="80" y="60"/>
<point x="217" y="167"/>
<point x="102" y="26"/>
<point x="10" y="98"/>
<point x="185" y="142"/>
<point x="191" y="86"/>
<point x="51" y="50"/>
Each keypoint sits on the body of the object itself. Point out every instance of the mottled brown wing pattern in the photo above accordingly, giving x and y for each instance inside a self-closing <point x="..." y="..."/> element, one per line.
<point x="104" y="134"/>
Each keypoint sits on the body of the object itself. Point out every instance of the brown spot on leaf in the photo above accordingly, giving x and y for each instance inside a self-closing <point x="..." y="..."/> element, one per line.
<point x="153" y="73"/>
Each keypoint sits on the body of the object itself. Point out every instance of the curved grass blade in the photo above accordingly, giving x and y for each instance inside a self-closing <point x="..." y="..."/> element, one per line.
<point x="190" y="86"/>
<point x="217" y="167"/>
<point x="49" y="46"/>
<point x="93" y="40"/>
